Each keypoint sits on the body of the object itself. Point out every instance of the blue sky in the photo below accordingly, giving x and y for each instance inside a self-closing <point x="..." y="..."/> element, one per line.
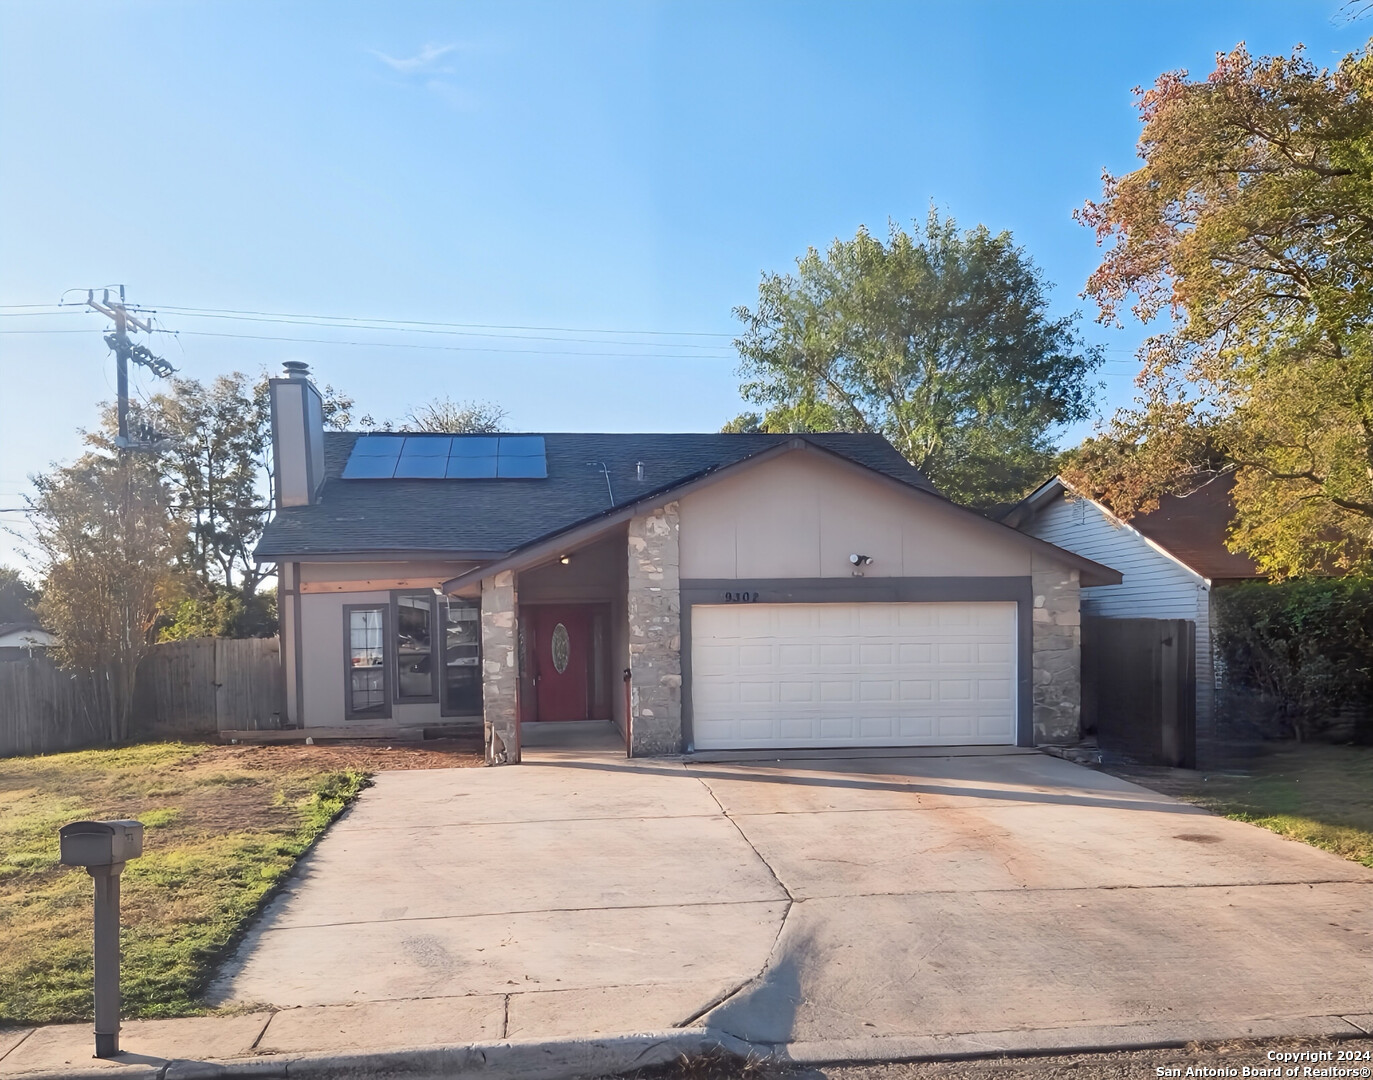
<point x="588" y="167"/>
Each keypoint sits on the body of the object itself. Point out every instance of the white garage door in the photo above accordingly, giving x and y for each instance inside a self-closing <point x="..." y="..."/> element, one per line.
<point x="777" y="675"/>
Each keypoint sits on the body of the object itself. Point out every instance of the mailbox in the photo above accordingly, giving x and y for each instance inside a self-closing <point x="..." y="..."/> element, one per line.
<point x="101" y="843"/>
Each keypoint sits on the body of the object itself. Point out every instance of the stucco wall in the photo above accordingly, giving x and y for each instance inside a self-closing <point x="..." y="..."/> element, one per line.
<point x="322" y="665"/>
<point x="802" y="515"/>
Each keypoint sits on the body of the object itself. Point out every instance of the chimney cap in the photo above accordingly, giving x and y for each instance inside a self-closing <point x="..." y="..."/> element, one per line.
<point x="296" y="369"/>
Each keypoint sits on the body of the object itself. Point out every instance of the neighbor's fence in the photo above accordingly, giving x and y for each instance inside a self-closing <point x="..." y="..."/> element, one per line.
<point x="183" y="689"/>
<point x="44" y="709"/>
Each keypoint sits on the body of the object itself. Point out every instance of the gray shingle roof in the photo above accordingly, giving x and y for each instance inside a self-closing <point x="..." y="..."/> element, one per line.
<point x="486" y="517"/>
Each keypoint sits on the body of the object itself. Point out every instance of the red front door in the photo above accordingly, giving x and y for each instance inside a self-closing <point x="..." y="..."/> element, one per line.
<point x="561" y="663"/>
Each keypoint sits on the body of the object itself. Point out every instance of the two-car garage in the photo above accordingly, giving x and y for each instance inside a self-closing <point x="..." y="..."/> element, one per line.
<point x="852" y="674"/>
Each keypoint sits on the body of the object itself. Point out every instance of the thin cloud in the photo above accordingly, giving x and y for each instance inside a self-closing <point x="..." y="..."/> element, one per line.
<point x="423" y="60"/>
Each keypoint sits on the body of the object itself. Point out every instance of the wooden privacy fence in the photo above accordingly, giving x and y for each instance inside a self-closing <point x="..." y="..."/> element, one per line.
<point x="207" y="685"/>
<point x="1139" y="688"/>
<point x="183" y="689"/>
<point x="44" y="709"/>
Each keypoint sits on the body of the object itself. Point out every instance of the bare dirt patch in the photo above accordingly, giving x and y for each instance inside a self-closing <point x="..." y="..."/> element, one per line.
<point x="369" y="756"/>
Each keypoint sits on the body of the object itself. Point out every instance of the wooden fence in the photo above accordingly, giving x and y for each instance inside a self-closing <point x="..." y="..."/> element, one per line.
<point x="1139" y="688"/>
<point x="207" y="685"/>
<point x="44" y="709"/>
<point x="184" y="689"/>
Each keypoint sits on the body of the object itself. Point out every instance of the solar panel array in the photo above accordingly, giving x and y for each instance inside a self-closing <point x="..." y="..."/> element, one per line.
<point x="447" y="457"/>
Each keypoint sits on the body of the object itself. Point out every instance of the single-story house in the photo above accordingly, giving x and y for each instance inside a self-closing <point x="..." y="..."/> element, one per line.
<point x="701" y="591"/>
<point x="1172" y="560"/>
<point x="24" y="639"/>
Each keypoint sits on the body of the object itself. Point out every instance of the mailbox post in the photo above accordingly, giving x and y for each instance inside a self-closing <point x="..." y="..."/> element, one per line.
<point x="103" y="847"/>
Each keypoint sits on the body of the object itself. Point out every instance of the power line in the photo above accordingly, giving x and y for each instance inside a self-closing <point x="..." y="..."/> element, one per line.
<point x="396" y="328"/>
<point x="449" y="348"/>
<point x="417" y="322"/>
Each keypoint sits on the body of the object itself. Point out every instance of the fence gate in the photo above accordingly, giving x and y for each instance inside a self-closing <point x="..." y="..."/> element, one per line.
<point x="1139" y="688"/>
<point x="207" y="685"/>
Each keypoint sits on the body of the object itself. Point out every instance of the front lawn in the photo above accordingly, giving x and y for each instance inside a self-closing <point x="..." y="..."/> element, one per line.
<point x="224" y="826"/>
<point x="1319" y="794"/>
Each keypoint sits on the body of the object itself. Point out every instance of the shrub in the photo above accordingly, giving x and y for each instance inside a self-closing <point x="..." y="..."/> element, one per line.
<point x="1306" y="646"/>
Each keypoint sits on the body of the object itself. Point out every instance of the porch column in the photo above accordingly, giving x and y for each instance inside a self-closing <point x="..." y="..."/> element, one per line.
<point x="500" y="669"/>
<point x="1057" y="654"/>
<point x="655" y="633"/>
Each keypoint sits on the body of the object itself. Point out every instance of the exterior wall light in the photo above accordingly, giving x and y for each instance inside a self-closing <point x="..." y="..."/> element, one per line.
<point x="861" y="560"/>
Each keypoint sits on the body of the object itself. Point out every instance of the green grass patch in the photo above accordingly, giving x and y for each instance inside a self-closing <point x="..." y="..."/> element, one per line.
<point x="225" y="825"/>
<point x="1321" y="795"/>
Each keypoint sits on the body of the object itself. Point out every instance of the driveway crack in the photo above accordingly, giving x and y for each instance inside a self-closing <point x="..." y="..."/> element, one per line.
<point x="791" y="903"/>
<point x="744" y="836"/>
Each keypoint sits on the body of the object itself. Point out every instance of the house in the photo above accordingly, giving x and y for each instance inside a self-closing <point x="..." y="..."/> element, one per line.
<point x="24" y="639"/>
<point x="1172" y="561"/>
<point x="701" y="591"/>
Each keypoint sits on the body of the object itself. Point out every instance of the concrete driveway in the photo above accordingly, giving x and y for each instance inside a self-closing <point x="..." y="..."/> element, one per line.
<point x="875" y="902"/>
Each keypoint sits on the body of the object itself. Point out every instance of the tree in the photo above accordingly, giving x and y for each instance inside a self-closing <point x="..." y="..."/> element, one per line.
<point x="1250" y="225"/>
<point x="219" y="436"/>
<point x="17" y="596"/>
<point x="939" y="341"/>
<point x="444" y="416"/>
<point x="105" y="528"/>
<point x="216" y="463"/>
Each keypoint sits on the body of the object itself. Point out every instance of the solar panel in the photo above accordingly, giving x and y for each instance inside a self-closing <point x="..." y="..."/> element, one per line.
<point x="427" y="446"/>
<point x="521" y="468"/>
<point x="522" y="446"/>
<point x="450" y="457"/>
<point x="378" y="445"/>
<point x="421" y="467"/>
<point x="363" y="467"/>
<point x="475" y="446"/>
<point x="471" y="468"/>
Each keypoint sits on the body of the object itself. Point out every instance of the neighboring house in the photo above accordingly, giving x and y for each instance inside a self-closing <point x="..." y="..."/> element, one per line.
<point x="702" y="591"/>
<point x="22" y="640"/>
<point x="1172" y="560"/>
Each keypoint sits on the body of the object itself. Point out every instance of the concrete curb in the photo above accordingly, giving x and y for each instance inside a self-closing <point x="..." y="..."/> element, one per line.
<point x="1063" y="1040"/>
<point x="565" y="1059"/>
<point x="533" y="1059"/>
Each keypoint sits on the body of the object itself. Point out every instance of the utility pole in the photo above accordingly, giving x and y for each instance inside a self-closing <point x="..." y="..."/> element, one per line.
<point x="124" y="351"/>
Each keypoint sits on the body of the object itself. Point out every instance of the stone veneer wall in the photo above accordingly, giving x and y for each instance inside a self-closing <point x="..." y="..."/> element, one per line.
<point x="500" y="670"/>
<point x="1056" y="654"/>
<point x="655" y="633"/>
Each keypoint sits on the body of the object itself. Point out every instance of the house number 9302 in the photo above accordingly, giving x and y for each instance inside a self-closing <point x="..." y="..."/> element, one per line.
<point x="741" y="598"/>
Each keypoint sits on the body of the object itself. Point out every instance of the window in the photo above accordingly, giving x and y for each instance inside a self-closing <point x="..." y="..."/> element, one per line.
<point x="415" y="647"/>
<point x="462" y="657"/>
<point x="365" y="651"/>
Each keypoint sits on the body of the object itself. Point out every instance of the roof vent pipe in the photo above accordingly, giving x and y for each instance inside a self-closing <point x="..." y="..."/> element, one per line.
<point x="295" y="369"/>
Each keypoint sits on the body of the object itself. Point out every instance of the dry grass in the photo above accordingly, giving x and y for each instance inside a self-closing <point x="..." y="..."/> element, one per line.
<point x="1319" y="794"/>
<point x="224" y="826"/>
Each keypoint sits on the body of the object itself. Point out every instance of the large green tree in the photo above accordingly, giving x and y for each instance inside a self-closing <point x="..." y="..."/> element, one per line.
<point x="17" y="596"/>
<point x="1249" y="227"/>
<point x="105" y="528"/>
<point x="938" y="339"/>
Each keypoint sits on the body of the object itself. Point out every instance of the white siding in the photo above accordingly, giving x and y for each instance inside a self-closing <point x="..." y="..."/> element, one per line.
<point x="1154" y="586"/>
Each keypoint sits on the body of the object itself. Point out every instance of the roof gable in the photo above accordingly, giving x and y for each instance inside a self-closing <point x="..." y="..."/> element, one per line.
<point x="550" y="546"/>
<point x="1187" y="530"/>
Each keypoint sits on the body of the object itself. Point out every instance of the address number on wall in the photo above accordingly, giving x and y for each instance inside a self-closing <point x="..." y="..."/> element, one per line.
<point x="741" y="598"/>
